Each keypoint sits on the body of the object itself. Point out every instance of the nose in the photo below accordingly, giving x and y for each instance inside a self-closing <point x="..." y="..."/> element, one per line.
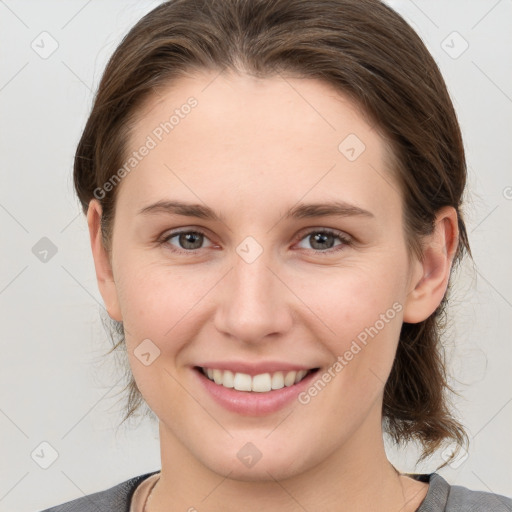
<point x="254" y="303"/>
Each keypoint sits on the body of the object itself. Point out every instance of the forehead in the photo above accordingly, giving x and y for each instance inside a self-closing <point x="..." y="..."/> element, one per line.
<point x="245" y="107"/>
<point x="279" y="136"/>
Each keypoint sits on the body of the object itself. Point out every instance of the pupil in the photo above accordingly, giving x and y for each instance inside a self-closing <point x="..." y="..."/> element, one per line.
<point x="321" y="238"/>
<point x="189" y="238"/>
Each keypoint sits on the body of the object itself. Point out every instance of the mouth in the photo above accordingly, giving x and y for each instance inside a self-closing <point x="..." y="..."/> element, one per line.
<point x="260" y="383"/>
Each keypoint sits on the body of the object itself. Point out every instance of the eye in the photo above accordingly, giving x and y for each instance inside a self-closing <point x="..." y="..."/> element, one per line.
<point x="189" y="241"/>
<point x="322" y="240"/>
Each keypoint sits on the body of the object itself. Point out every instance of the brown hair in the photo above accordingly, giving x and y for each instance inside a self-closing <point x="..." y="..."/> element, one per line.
<point x="368" y="53"/>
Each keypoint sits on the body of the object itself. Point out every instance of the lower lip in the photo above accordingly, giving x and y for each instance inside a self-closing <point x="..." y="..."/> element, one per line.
<point x="252" y="403"/>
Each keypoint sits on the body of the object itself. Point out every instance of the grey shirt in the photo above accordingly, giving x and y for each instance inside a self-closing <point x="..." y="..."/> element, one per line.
<point x="441" y="497"/>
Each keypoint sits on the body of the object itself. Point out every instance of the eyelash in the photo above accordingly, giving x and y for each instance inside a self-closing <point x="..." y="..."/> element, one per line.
<point x="343" y="238"/>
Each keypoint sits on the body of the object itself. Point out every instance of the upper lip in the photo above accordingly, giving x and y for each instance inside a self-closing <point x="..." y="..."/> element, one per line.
<point x="254" y="368"/>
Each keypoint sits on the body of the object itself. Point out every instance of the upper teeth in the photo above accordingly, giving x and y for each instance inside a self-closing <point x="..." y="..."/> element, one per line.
<point x="259" y="383"/>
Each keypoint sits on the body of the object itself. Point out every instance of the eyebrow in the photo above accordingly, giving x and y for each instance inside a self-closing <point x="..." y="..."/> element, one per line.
<point x="300" y="211"/>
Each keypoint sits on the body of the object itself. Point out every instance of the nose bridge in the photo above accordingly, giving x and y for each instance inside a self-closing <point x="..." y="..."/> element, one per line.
<point x="253" y="303"/>
<point x="252" y="278"/>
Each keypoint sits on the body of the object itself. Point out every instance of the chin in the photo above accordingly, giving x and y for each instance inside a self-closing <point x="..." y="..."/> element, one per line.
<point x="248" y="464"/>
<point x="268" y="471"/>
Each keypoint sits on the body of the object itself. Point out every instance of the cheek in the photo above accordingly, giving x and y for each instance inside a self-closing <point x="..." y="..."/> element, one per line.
<point x="162" y="304"/>
<point x="362" y="309"/>
<point x="152" y="296"/>
<point x="160" y="319"/>
<point x="349" y="300"/>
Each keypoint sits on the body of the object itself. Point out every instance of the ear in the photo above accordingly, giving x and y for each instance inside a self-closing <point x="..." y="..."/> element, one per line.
<point x="104" y="274"/>
<point x="429" y="277"/>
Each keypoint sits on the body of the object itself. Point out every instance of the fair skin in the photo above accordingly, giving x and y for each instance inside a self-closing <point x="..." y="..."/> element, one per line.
<point x="251" y="150"/>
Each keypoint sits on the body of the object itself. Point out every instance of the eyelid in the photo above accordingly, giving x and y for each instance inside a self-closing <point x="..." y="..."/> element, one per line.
<point x="341" y="235"/>
<point x="320" y="229"/>
<point x="167" y="235"/>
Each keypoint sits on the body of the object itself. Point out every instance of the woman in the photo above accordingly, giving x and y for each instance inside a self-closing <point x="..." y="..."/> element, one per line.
<point x="273" y="193"/>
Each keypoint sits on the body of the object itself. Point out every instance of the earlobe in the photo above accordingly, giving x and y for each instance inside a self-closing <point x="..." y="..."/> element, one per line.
<point x="104" y="274"/>
<point x="431" y="275"/>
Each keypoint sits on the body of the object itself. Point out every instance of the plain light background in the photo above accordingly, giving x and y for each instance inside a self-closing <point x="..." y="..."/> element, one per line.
<point x="56" y="386"/>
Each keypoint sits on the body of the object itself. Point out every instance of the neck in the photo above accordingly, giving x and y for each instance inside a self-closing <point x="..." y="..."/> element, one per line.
<point x="357" y="476"/>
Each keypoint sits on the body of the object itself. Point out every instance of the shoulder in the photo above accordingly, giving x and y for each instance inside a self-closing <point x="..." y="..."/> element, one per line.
<point x="115" y="499"/>
<point x="463" y="499"/>
<point x="443" y="497"/>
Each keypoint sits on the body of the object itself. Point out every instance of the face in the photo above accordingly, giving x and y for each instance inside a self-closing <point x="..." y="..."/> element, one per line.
<point x="292" y="260"/>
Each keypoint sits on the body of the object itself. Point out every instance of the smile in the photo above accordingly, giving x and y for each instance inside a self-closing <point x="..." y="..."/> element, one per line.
<point x="253" y="389"/>
<point x="260" y="383"/>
